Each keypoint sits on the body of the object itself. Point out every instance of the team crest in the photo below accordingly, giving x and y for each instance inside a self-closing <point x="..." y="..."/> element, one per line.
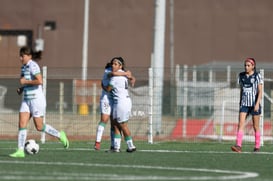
<point x="252" y="80"/>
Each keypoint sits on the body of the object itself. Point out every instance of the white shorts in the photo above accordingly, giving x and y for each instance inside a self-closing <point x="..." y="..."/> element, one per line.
<point x="122" y="109"/>
<point x="105" y="105"/>
<point x="36" y="107"/>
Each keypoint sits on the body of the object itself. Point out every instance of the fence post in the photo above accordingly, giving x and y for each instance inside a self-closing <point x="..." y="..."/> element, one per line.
<point x="150" y="134"/>
<point x="262" y="111"/>
<point x="44" y="90"/>
<point x="185" y="102"/>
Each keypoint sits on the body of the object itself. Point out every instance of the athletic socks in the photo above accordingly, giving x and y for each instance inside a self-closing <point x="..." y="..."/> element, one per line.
<point x="22" y="136"/>
<point x="51" y="131"/>
<point x="117" y="141"/>
<point x="129" y="142"/>
<point x="239" y="138"/>
<point x="100" y="131"/>
<point x="257" y="139"/>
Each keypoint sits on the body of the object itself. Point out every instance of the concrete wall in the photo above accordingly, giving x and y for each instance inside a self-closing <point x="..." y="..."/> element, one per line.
<point x="205" y="31"/>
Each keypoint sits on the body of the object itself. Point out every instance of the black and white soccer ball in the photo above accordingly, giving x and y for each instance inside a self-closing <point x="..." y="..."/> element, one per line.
<point x="31" y="147"/>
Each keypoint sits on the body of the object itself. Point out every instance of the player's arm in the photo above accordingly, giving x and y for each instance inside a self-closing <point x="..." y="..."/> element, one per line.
<point x="132" y="81"/>
<point x="259" y="97"/>
<point x="120" y="73"/>
<point x="104" y="87"/>
<point x="128" y="74"/>
<point x="37" y="81"/>
<point x="241" y="93"/>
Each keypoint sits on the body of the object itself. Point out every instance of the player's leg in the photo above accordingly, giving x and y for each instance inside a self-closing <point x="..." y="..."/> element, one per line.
<point x="22" y="135"/>
<point x="24" y="116"/>
<point x="40" y="126"/>
<point x="124" y="115"/>
<point x="240" y="132"/>
<point x="105" y="109"/>
<point x="256" y="123"/>
<point x="100" y="130"/>
<point x="38" y="110"/>
<point x="112" y="134"/>
<point x="117" y="136"/>
<point x="115" y="125"/>
<point x="127" y="136"/>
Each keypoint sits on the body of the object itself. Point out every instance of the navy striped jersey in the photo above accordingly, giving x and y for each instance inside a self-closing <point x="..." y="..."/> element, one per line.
<point x="249" y="87"/>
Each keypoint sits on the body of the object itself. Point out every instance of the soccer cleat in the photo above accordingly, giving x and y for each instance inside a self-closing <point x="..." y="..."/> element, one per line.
<point x="18" y="154"/>
<point x="64" y="139"/>
<point x="256" y="150"/>
<point x="236" y="148"/>
<point x="130" y="150"/>
<point x="113" y="150"/>
<point x="97" y="145"/>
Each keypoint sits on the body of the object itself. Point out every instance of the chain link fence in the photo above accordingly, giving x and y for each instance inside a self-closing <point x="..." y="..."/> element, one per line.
<point x="198" y="103"/>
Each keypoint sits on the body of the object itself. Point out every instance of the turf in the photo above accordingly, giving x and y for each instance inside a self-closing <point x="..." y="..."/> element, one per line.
<point x="158" y="161"/>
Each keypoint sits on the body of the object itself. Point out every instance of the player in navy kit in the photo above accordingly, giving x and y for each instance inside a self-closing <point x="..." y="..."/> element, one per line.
<point x="250" y="82"/>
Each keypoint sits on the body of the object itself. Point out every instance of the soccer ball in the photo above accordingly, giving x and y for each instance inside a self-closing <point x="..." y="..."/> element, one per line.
<point x="31" y="147"/>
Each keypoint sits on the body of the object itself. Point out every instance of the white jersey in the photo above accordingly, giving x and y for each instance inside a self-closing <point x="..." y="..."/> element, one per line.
<point x="122" y="103"/>
<point x="119" y="86"/>
<point x="29" y="71"/>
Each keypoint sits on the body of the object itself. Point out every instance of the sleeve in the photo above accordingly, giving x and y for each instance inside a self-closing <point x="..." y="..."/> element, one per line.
<point x="35" y="69"/>
<point x="260" y="79"/>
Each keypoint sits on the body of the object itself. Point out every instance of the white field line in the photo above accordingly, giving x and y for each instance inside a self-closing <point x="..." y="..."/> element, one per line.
<point x="167" y="151"/>
<point x="227" y="174"/>
<point x="162" y="151"/>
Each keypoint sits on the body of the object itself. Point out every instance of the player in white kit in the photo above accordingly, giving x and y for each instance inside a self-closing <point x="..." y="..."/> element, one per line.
<point x="106" y="105"/>
<point x="33" y="102"/>
<point x="122" y="105"/>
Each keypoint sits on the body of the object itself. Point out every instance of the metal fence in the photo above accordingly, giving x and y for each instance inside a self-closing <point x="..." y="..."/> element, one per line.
<point x="198" y="103"/>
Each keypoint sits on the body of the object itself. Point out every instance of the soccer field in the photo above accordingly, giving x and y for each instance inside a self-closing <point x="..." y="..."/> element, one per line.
<point x="159" y="161"/>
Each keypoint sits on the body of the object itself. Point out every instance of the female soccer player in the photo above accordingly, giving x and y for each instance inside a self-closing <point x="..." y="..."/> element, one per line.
<point x="122" y="105"/>
<point x="106" y="104"/>
<point x="250" y="83"/>
<point x="33" y="102"/>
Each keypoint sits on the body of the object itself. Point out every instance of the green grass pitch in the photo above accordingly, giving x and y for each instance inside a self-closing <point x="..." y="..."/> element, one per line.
<point x="158" y="161"/>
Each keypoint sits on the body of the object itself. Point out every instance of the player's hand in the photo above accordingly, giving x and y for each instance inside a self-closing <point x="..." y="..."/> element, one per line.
<point x="132" y="81"/>
<point x="256" y="108"/>
<point x="20" y="90"/>
<point x="128" y="74"/>
<point x="23" y="81"/>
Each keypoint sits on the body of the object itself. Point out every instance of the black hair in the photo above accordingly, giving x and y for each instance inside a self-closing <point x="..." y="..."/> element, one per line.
<point x="121" y="60"/>
<point x="28" y="51"/>
<point x="108" y="65"/>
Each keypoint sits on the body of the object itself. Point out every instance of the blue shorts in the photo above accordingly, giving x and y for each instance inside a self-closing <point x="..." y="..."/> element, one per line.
<point x="250" y="110"/>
